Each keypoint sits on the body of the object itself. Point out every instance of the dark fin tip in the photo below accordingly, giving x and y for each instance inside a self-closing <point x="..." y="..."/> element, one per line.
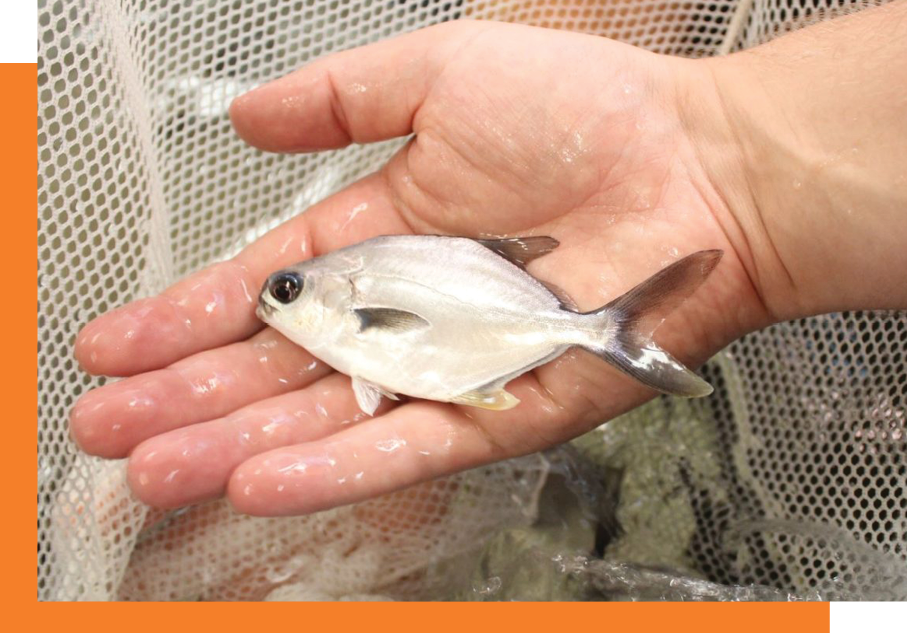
<point x="521" y="250"/>
<point x="390" y="319"/>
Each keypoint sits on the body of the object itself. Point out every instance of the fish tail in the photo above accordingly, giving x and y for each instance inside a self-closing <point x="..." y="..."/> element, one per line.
<point x="628" y="323"/>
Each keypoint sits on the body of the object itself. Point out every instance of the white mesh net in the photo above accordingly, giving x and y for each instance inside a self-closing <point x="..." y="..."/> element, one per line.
<point x="793" y="475"/>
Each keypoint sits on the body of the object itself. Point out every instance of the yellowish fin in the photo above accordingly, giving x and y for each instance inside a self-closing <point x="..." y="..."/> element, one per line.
<point x="499" y="400"/>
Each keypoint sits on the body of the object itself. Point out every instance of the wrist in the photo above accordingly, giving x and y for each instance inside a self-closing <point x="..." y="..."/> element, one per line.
<point x="804" y="140"/>
<point x="712" y="115"/>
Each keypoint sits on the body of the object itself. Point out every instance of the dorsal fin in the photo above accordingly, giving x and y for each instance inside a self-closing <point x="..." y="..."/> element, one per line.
<point x="521" y="250"/>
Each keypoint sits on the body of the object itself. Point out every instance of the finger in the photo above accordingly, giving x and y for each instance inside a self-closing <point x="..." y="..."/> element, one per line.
<point x="111" y="420"/>
<point x="424" y="440"/>
<point x="412" y="443"/>
<point x="217" y="305"/>
<point x="362" y="95"/>
<point x="193" y="464"/>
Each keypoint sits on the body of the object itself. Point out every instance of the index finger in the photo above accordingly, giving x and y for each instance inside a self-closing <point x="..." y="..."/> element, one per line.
<point x="216" y="306"/>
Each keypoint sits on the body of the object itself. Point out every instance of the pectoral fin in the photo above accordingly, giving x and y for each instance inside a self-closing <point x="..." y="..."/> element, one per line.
<point x="389" y="319"/>
<point x="499" y="400"/>
<point x="368" y="395"/>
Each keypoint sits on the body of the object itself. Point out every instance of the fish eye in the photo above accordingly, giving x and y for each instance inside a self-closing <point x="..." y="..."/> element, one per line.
<point x="285" y="287"/>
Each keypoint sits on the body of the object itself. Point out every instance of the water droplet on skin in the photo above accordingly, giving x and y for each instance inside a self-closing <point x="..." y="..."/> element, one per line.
<point x="271" y="427"/>
<point x="424" y="452"/>
<point x="292" y="102"/>
<point x="280" y="487"/>
<point x="356" y="88"/>
<point x="673" y="251"/>
<point x="355" y="211"/>
<point x="143" y="479"/>
<point x="202" y="386"/>
<point x="797" y="184"/>
<point x="142" y="311"/>
<point x="245" y="290"/>
<point x="116" y="427"/>
<point x="359" y="475"/>
<point x="302" y="466"/>
<point x="389" y="446"/>
<point x="319" y="408"/>
<point x="210" y="306"/>
<point x="130" y="334"/>
<point x="169" y="478"/>
<point x="247" y="490"/>
<point x="142" y="402"/>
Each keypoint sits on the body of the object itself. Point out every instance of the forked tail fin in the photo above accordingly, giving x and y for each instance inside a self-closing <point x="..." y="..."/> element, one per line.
<point x="631" y="319"/>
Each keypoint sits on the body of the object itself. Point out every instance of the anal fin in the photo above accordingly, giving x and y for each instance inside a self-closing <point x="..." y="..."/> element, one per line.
<point x="499" y="400"/>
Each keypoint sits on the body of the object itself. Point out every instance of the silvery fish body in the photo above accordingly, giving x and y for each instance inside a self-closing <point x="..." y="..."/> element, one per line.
<point x="454" y="319"/>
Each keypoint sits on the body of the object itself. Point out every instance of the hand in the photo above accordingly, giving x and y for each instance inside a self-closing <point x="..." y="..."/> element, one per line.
<point x="518" y="131"/>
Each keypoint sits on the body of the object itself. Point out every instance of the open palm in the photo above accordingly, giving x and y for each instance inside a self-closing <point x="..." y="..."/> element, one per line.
<point x="519" y="131"/>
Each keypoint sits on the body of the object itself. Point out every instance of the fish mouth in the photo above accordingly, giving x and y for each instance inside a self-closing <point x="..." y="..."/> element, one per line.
<point x="264" y="309"/>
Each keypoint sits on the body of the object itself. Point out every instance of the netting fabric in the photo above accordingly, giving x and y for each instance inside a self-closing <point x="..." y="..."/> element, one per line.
<point x="793" y="476"/>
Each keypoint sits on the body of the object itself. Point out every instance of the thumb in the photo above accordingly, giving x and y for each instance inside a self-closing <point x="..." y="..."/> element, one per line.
<point x="363" y="95"/>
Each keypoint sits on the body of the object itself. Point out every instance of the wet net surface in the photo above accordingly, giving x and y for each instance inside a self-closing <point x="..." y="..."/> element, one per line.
<point x="792" y="476"/>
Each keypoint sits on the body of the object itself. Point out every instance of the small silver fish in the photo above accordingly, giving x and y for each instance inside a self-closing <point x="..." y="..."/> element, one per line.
<point x="454" y="319"/>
